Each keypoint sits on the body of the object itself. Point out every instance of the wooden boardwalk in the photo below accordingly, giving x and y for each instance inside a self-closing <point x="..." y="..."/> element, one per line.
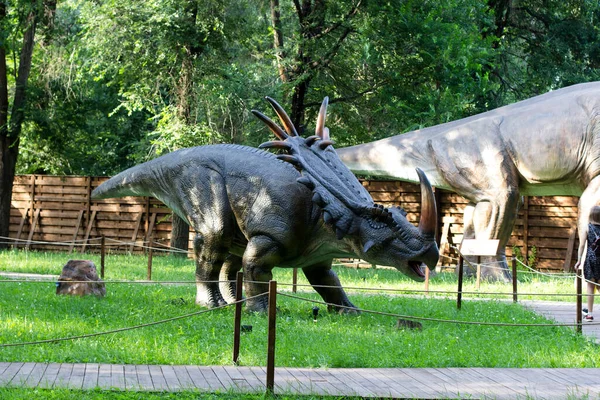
<point x="418" y="383"/>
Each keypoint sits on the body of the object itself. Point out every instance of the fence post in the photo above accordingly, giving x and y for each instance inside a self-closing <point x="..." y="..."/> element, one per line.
<point x="150" y="260"/>
<point x="460" y="281"/>
<point x="426" y="279"/>
<point x="271" y="339"/>
<point x="294" y="280"/>
<point x="238" y="316"/>
<point x="514" y="278"/>
<point x="578" y="278"/>
<point x="102" y="254"/>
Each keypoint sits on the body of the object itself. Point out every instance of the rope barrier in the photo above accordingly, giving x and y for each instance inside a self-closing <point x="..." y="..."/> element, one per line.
<point x="54" y="281"/>
<point x="116" y="243"/>
<point x="129" y="328"/>
<point x="356" y="288"/>
<point x="556" y="275"/>
<point x="431" y="319"/>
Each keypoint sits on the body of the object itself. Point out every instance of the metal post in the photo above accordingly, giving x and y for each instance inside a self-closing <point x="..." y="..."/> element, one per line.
<point x="150" y="260"/>
<point x="294" y="280"/>
<point x="578" y="278"/>
<point x="271" y="339"/>
<point x="514" y="278"/>
<point x="238" y="316"/>
<point x="460" y="281"/>
<point x="102" y="254"/>
<point x="478" y="282"/>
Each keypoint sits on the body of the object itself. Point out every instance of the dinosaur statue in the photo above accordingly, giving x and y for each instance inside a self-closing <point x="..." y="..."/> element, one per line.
<point x="546" y="145"/>
<point x="253" y="209"/>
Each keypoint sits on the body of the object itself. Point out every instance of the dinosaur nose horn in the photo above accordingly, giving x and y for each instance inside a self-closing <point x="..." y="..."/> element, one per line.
<point x="428" y="221"/>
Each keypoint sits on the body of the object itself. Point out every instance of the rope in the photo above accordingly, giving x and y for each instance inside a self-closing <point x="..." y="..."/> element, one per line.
<point x="129" y="328"/>
<point x="421" y="291"/>
<point x="54" y="281"/>
<point x="162" y="248"/>
<point x="432" y="319"/>
<point x="558" y="275"/>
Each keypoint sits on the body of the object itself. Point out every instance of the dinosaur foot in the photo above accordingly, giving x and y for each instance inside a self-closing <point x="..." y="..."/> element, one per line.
<point x="258" y="304"/>
<point x="209" y="300"/>
<point x="346" y="308"/>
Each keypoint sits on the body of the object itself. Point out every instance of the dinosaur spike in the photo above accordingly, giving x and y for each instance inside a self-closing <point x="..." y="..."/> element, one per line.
<point x="272" y="125"/>
<point x="291" y="159"/>
<point x="326" y="133"/>
<point x="368" y="245"/>
<point x="317" y="199"/>
<point x="428" y="220"/>
<point x="327" y="217"/>
<point x="306" y="182"/>
<point x="276" y="144"/>
<point x="283" y="117"/>
<point x="321" y="118"/>
<point x="323" y="144"/>
<point x="311" y="140"/>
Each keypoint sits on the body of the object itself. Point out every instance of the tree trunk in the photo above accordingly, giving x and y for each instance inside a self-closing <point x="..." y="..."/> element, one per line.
<point x="180" y="233"/>
<point x="278" y="39"/>
<point x="10" y="129"/>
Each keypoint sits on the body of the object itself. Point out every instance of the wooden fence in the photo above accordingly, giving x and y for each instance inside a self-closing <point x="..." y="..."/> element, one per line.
<point x="58" y="209"/>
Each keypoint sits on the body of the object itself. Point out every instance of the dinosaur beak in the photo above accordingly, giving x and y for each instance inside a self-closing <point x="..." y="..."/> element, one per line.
<point x="428" y="221"/>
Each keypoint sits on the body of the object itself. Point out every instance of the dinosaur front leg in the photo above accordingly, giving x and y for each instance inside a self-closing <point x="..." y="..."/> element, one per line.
<point x="320" y="275"/>
<point x="228" y="275"/>
<point x="260" y="256"/>
<point x="209" y="259"/>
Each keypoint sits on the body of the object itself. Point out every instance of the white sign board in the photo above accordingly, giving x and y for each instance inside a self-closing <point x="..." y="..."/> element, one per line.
<point x="479" y="247"/>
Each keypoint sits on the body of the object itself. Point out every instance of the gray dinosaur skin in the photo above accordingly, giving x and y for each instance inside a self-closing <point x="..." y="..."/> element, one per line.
<point x="546" y="145"/>
<point x="248" y="209"/>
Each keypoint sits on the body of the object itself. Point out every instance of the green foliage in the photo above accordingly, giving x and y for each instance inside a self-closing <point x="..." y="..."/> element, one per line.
<point x="114" y="83"/>
<point x="532" y="258"/>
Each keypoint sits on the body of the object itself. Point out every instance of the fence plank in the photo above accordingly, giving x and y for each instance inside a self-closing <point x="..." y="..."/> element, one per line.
<point x="544" y="224"/>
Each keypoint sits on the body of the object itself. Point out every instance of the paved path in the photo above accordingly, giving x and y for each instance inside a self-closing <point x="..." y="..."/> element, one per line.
<point x="564" y="313"/>
<point x="419" y="383"/>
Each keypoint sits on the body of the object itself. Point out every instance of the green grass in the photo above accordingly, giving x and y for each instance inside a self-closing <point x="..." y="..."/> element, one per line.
<point x="166" y="268"/>
<point x="56" y="394"/>
<point x="31" y="311"/>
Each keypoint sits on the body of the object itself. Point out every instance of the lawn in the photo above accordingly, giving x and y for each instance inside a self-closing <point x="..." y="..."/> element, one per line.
<point x="30" y="311"/>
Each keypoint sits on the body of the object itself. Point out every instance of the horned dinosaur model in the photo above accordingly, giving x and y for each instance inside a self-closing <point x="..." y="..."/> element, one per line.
<point x="254" y="209"/>
<point x="546" y="145"/>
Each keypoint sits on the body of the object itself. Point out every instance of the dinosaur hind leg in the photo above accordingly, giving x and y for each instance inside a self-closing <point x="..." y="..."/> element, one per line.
<point x="227" y="277"/>
<point x="209" y="259"/>
<point x="589" y="198"/>
<point x="493" y="220"/>
<point x="260" y="256"/>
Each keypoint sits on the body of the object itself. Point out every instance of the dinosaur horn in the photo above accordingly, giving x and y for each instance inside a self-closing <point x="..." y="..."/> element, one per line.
<point x="428" y="221"/>
<point x="320" y="129"/>
<point x="272" y="125"/>
<point x="283" y="117"/>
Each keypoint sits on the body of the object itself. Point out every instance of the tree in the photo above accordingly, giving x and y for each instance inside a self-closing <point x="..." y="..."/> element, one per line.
<point x="321" y="28"/>
<point x="21" y="19"/>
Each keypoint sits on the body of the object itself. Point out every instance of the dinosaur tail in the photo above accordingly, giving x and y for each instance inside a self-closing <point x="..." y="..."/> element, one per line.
<point x="135" y="181"/>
